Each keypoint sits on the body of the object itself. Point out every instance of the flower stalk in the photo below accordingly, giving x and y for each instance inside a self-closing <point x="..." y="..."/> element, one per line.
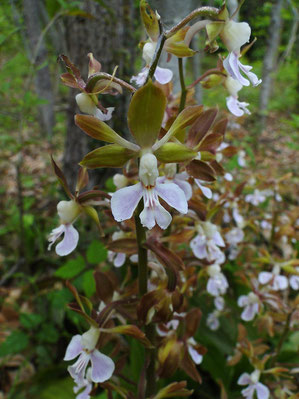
<point x="183" y="86"/>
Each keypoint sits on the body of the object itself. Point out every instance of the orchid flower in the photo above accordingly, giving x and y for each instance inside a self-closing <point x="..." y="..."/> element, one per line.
<point x="294" y="280"/>
<point x="195" y="356"/>
<point x="217" y="283"/>
<point x="241" y="158"/>
<point x="125" y="200"/>
<point x="234" y="35"/>
<point x="277" y="282"/>
<point x="162" y="75"/>
<point x="206" y="191"/>
<point x="86" y="384"/>
<point x="88" y="106"/>
<point x="256" y="198"/>
<point x="219" y="303"/>
<point x="250" y="303"/>
<point x="254" y="386"/>
<point x="235" y="106"/>
<point x="180" y="179"/>
<point x="68" y="212"/>
<point x="84" y="346"/>
<point x="213" y="320"/>
<point x="234" y="236"/>
<point x="206" y="244"/>
<point x="117" y="258"/>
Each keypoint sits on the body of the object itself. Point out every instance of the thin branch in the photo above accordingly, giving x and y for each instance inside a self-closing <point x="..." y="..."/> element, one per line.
<point x="183" y="86"/>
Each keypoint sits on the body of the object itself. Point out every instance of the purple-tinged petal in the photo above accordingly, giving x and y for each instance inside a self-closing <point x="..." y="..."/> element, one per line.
<point x="251" y="76"/>
<point x="207" y="192"/>
<point x="248" y="392"/>
<point x="119" y="260"/>
<point x="265" y="277"/>
<point x="141" y="77"/>
<point x="124" y="202"/>
<point x="102" y="366"/>
<point x="74" y="348"/>
<point x="147" y="217"/>
<point x="244" y="379"/>
<point x="231" y="65"/>
<point x="280" y="283"/>
<point x="294" y="282"/>
<point x="163" y="75"/>
<point x="77" y="370"/>
<point x="173" y="195"/>
<point x="248" y="313"/>
<point x="162" y="216"/>
<point x="243" y="300"/>
<point x="55" y="234"/>
<point x="198" y="246"/>
<point x="103" y="117"/>
<point x="262" y="391"/>
<point x="218" y="240"/>
<point x="69" y="242"/>
<point x="195" y="356"/>
<point x="86" y="391"/>
<point x="185" y="186"/>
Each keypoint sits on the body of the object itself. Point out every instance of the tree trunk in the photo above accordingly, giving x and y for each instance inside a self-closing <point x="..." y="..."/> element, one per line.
<point x="38" y="56"/>
<point x="109" y="36"/>
<point x="270" y="58"/>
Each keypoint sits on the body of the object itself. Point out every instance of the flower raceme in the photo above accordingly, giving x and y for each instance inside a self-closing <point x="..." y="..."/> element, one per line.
<point x="84" y="347"/>
<point x="125" y="200"/>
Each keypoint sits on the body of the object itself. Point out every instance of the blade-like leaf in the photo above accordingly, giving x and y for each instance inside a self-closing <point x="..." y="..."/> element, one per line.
<point x="211" y="142"/>
<point x="99" y="130"/>
<point x="73" y="70"/>
<point x="82" y="179"/>
<point x="61" y="178"/>
<point x="146" y="113"/>
<point x="174" y="152"/>
<point x="175" y="44"/>
<point x="185" y="118"/>
<point x="90" y="211"/>
<point x="109" y="156"/>
<point x="123" y="245"/>
<point x="201" y="126"/>
<point x="200" y="170"/>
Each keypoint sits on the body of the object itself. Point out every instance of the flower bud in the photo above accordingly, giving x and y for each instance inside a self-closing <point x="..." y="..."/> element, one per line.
<point x="90" y="338"/>
<point x="233" y="86"/>
<point x="235" y="34"/>
<point x="148" y="52"/>
<point x="85" y="103"/>
<point x="213" y="270"/>
<point x="120" y="181"/>
<point x="148" y="170"/>
<point x="68" y="211"/>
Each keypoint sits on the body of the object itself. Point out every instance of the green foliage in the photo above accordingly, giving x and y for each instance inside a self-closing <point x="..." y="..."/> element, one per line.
<point x="15" y="343"/>
<point x="71" y="268"/>
<point x="96" y="252"/>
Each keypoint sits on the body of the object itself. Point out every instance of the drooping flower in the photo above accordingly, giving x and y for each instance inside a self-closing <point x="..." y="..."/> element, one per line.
<point x="254" y="386"/>
<point x="250" y="303"/>
<point x="125" y="200"/>
<point x="235" y="106"/>
<point x="162" y="75"/>
<point x="180" y="179"/>
<point x="88" y="106"/>
<point x="276" y="281"/>
<point x="68" y="212"/>
<point x="217" y="283"/>
<point x="234" y="35"/>
<point x="206" y="244"/>
<point x="84" y="346"/>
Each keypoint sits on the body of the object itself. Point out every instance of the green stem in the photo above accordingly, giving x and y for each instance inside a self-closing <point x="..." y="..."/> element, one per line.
<point x="142" y="252"/>
<point x="209" y="12"/>
<point x="183" y="86"/>
<point x="157" y="55"/>
<point x="150" y="331"/>
<point x="282" y="338"/>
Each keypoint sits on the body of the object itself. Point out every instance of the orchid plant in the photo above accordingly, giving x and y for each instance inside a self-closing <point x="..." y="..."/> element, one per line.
<point x="164" y="216"/>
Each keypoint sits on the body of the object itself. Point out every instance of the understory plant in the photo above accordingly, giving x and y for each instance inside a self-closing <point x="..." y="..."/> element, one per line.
<point x="192" y="258"/>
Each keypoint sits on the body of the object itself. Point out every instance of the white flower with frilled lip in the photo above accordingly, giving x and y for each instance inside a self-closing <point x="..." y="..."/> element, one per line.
<point x="276" y="281"/>
<point x="250" y="303"/>
<point x="68" y="212"/>
<point x="254" y="386"/>
<point x="84" y="346"/>
<point x="87" y="105"/>
<point x="235" y="106"/>
<point x="206" y="244"/>
<point x="125" y="200"/>
<point x="162" y="75"/>
<point x="234" y="35"/>
<point x="217" y="283"/>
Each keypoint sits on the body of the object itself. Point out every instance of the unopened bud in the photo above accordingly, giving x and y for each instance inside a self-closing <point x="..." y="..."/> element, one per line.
<point x="85" y="103"/>
<point x="170" y="170"/>
<point x="148" y="52"/>
<point x="68" y="211"/>
<point x="120" y="181"/>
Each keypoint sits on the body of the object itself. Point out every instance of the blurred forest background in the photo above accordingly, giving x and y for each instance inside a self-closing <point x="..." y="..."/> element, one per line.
<point x="37" y="119"/>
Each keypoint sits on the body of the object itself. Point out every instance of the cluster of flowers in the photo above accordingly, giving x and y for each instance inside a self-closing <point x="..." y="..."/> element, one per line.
<point x="174" y="175"/>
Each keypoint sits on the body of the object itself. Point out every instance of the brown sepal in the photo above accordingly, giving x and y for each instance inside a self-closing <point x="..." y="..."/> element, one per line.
<point x="201" y="127"/>
<point x="200" y="170"/>
<point x="189" y="367"/>
<point x="192" y="321"/>
<point x="123" y="245"/>
<point x="105" y="286"/>
<point x="211" y="142"/>
<point x="61" y="178"/>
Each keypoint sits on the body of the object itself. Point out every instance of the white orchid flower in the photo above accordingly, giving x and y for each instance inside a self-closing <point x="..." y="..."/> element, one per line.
<point x="87" y="105"/>
<point x="125" y="200"/>
<point x="217" y="284"/>
<point x="254" y="386"/>
<point x="276" y="281"/>
<point x="250" y="303"/>
<point x="235" y="106"/>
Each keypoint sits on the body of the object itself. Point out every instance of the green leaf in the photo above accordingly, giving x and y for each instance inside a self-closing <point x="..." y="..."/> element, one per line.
<point x="96" y="252"/>
<point x="109" y="156"/>
<point x="174" y="152"/>
<point x="48" y="333"/>
<point x="16" y="342"/>
<point x="89" y="285"/>
<point x="146" y="113"/>
<point x="30" y="320"/>
<point x="99" y="130"/>
<point x="71" y="268"/>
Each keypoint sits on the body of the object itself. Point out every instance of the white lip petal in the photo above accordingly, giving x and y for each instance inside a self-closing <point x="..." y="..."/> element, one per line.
<point x="173" y="195"/>
<point x="163" y="75"/>
<point x="125" y="201"/>
<point x="69" y="242"/>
